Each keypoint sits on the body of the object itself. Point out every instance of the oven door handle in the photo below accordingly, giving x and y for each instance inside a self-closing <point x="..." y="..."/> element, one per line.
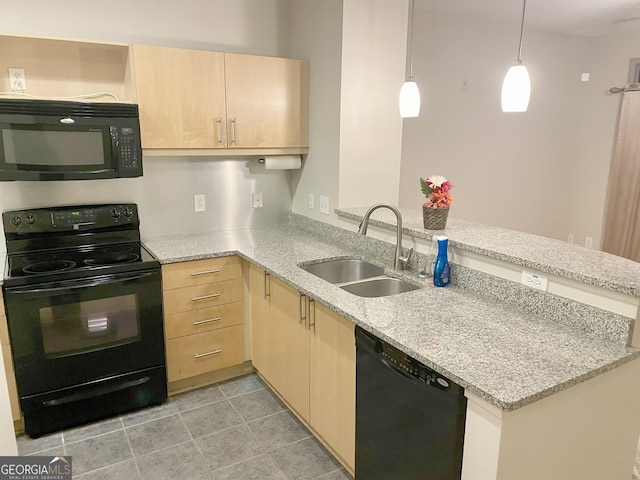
<point x="82" y="283"/>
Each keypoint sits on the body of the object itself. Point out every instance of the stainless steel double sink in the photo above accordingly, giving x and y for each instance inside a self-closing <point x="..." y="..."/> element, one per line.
<point x="359" y="277"/>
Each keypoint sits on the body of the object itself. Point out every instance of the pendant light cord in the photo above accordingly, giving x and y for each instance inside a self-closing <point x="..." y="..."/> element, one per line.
<point x="410" y="37"/>
<point x="524" y="7"/>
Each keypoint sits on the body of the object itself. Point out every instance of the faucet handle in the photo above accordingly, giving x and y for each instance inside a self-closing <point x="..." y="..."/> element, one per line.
<point x="405" y="260"/>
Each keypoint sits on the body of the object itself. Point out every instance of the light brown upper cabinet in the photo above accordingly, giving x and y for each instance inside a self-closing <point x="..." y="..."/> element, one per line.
<point x="180" y="96"/>
<point x="195" y="99"/>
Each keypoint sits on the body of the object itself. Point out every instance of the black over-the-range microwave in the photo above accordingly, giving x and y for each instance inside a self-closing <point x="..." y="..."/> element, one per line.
<point x="59" y="140"/>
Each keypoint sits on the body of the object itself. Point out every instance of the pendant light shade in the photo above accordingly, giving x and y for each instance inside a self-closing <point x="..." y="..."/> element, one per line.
<point x="409" y="101"/>
<point x="516" y="87"/>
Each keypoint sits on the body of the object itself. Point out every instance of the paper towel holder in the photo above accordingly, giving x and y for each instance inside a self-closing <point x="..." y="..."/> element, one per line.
<point x="281" y="162"/>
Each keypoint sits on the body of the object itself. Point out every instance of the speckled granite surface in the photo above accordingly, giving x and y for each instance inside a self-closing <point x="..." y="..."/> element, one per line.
<point x="532" y="251"/>
<point x="506" y="356"/>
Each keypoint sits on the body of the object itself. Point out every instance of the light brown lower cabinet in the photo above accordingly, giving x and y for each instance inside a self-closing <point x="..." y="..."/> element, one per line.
<point x="279" y="341"/>
<point x="307" y="354"/>
<point x="333" y="381"/>
<point x="203" y="317"/>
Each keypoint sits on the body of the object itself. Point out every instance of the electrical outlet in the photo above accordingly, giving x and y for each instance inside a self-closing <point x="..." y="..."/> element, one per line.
<point x="17" y="81"/>
<point x="588" y="242"/>
<point x="570" y="238"/>
<point x="534" y="281"/>
<point x="312" y="201"/>
<point x="256" y="198"/>
<point x="324" y="205"/>
<point x="198" y="203"/>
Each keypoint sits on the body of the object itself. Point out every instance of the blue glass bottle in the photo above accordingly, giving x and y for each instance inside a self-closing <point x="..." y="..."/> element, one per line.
<point x="441" y="275"/>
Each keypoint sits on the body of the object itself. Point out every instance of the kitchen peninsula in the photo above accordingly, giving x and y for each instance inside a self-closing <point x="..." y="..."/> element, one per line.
<point x="548" y="398"/>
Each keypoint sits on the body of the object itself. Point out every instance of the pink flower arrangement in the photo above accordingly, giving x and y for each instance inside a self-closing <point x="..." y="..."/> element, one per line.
<point x="437" y="190"/>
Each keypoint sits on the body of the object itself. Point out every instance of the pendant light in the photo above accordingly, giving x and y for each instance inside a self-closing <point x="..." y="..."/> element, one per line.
<point x="516" y="87"/>
<point x="409" y="102"/>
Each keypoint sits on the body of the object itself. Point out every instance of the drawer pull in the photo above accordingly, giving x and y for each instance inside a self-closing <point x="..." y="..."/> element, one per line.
<point x="204" y="297"/>
<point x="205" y="272"/>
<point x="209" y="320"/>
<point x="200" y="355"/>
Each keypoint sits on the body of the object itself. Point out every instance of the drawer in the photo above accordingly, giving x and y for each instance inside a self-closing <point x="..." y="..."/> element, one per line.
<point x="203" y="320"/>
<point x="201" y="296"/>
<point x="188" y="274"/>
<point x="187" y="356"/>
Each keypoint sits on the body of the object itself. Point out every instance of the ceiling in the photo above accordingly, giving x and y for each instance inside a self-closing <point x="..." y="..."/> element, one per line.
<point x="571" y="17"/>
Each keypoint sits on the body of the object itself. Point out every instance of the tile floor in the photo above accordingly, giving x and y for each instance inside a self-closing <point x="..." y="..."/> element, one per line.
<point x="234" y="430"/>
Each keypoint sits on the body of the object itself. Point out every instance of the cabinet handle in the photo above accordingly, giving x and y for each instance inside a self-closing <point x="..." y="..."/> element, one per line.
<point x="205" y="272"/>
<point x="265" y="286"/>
<point x="204" y="297"/>
<point x="300" y="317"/>
<point x="209" y="320"/>
<point x="220" y="132"/>
<point x="206" y="354"/>
<point x="234" y="125"/>
<point x="309" y="322"/>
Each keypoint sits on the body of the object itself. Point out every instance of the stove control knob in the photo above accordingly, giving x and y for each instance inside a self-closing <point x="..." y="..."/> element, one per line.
<point x="128" y="212"/>
<point x="16" y="220"/>
<point x="115" y="213"/>
<point x="31" y="219"/>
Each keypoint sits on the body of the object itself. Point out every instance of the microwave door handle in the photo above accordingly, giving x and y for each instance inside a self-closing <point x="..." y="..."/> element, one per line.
<point x="115" y="146"/>
<point x="83" y="283"/>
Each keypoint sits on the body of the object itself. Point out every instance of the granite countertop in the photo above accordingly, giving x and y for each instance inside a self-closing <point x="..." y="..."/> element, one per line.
<point x="505" y="356"/>
<point x="549" y="255"/>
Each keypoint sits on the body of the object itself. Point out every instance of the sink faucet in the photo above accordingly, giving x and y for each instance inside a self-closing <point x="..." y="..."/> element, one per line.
<point x="399" y="262"/>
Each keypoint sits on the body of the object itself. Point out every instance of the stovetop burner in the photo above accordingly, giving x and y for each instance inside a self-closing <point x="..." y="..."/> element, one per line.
<point x="111" y="258"/>
<point x="49" y="266"/>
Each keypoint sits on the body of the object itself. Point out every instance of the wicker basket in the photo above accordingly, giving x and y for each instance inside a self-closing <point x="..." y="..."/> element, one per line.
<point x="435" y="218"/>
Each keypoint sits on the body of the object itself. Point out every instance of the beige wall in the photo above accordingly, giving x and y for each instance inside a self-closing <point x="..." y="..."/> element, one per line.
<point x="317" y="35"/>
<point x="543" y="171"/>
<point x="373" y="60"/>
<point x="246" y="26"/>
<point x="357" y="54"/>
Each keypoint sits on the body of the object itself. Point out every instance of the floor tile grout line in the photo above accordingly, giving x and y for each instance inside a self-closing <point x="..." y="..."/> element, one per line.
<point x="110" y="465"/>
<point x="195" y="444"/>
<point x="94" y="436"/>
<point x="160" y="449"/>
<point x="133" y="455"/>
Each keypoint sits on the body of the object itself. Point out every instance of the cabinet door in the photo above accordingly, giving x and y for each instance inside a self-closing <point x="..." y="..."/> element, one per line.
<point x="263" y="331"/>
<point x="333" y="382"/>
<point x="291" y="347"/>
<point x="279" y="341"/>
<point x="181" y="96"/>
<point x="267" y="100"/>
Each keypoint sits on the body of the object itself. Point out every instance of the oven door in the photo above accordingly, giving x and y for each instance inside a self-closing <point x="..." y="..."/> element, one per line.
<point x="70" y="332"/>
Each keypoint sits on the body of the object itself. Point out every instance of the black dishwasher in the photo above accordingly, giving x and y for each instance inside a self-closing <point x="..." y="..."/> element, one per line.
<point x="409" y="419"/>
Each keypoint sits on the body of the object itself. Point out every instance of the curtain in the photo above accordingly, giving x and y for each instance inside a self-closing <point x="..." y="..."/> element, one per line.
<point x="622" y="220"/>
